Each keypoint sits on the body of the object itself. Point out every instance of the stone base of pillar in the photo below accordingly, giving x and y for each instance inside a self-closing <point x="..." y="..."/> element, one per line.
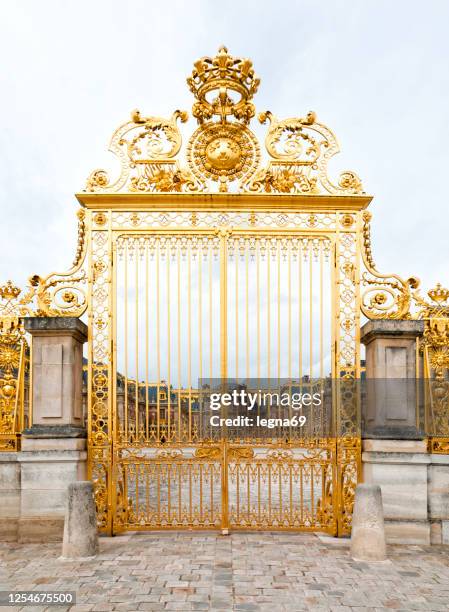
<point x="47" y="467"/>
<point x="408" y="532"/>
<point x="415" y="489"/>
<point x="40" y="529"/>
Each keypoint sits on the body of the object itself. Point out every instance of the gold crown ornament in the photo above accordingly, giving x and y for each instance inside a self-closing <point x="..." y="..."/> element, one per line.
<point x="233" y="82"/>
<point x="9" y="291"/>
<point x="439" y="294"/>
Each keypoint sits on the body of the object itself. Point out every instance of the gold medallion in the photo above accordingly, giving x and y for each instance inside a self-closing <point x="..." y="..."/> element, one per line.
<point x="223" y="153"/>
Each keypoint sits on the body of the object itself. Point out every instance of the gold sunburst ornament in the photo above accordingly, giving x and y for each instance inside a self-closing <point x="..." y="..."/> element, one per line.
<point x="223" y="153"/>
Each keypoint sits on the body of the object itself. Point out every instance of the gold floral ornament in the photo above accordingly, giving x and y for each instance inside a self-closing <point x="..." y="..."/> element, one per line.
<point x="386" y="296"/>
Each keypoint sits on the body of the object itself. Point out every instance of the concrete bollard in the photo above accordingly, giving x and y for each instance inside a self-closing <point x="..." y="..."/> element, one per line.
<point x="80" y="526"/>
<point x="368" y="530"/>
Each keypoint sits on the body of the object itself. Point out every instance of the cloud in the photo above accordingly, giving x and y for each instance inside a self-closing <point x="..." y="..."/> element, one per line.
<point x="375" y="72"/>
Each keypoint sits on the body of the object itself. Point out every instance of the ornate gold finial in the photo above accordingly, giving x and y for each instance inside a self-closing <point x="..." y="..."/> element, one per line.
<point x="233" y="81"/>
<point x="439" y="294"/>
<point x="9" y="291"/>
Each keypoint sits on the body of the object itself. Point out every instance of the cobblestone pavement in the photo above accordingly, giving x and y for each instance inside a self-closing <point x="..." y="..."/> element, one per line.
<point x="244" y="571"/>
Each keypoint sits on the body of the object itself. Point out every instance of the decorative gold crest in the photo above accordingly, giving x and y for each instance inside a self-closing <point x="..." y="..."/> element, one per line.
<point x="223" y="154"/>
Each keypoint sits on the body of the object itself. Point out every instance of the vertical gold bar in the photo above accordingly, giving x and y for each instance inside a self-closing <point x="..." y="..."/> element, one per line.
<point x="200" y="332"/>
<point x="223" y="373"/>
<point x="158" y="341"/>
<point x="280" y="488"/>
<point x="189" y="335"/>
<point x="210" y="257"/>
<point x="311" y="308"/>
<point x="223" y="307"/>
<point x="201" y="492"/>
<point x="236" y="312"/>
<point x="268" y="312"/>
<point x="335" y="304"/>
<point x="248" y="494"/>
<point x="112" y="385"/>
<point x="224" y="490"/>
<point x="417" y="387"/>
<point x="169" y="492"/>
<point x="247" y="310"/>
<point x="269" y="493"/>
<point x="321" y="312"/>
<point x="178" y="258"/>
<point x="167" y="259"/>
<point x="147" y="493"/>
<point x="137" y="472"/>
<point x="312" y="494"/>
<point x="136" y="314"/>
<point x="289" y="330"/>
<point x="30" y="392"/>
<point x="126" y="341"/>
<point x="278" y="257"/>
<point x="147" y="343"/>
<point x="190" y="466"/>
<point x="289" y="272"/>
<point x="258" y="306"/>
<point x="300" y="256"/>
<point x="158" y="469"/>
<point x="16" y="423"/>
<point x="211" y="476"/>
<point x="291" y="519"/>
<point x="200" y="313"/>
<point x="237" y="490"/>
<point x="180" y="467"/>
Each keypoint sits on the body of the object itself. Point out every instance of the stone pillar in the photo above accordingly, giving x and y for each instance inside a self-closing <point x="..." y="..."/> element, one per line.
<point x="394" y="447"/>
<point x="392" y="398"/>
<point x="54" y="447"/>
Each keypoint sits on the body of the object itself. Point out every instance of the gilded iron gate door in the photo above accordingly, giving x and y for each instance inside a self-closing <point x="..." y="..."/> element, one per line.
<point x="194" y="307"/>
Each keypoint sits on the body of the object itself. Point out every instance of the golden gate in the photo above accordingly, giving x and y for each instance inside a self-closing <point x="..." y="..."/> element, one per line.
<point x="211" y="261"/>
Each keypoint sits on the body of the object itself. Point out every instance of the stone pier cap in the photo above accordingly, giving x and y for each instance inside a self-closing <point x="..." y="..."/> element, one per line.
<point x="58" y="325"/>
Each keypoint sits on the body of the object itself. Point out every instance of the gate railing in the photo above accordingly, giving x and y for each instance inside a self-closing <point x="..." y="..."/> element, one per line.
<point x="434" y="349"/>
<point x="14" y="371"/>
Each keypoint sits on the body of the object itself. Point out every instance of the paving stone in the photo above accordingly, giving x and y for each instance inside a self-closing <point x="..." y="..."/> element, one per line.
<point x="269" y="572"/>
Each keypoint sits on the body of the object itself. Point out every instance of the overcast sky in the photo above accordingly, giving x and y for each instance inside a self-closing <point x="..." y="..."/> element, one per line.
<point x="375" y="72"/>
